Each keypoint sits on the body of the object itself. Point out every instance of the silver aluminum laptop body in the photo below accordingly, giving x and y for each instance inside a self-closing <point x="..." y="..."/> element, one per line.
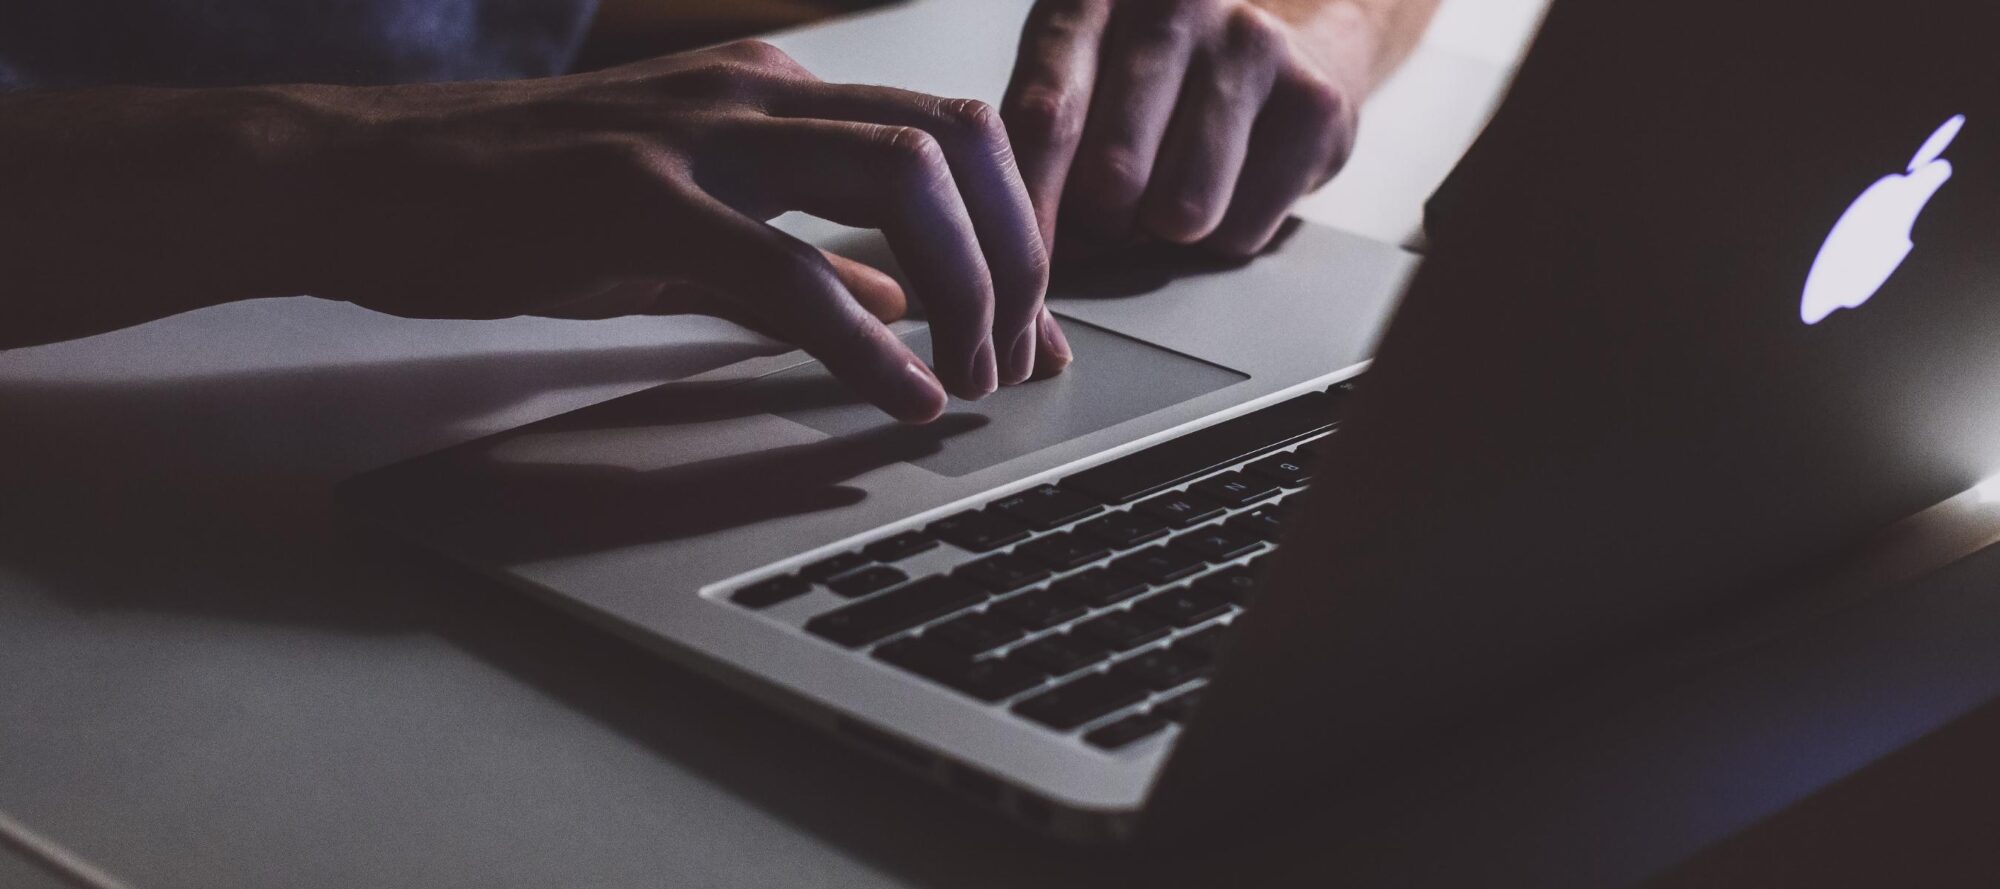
<point x="645" y="513"/>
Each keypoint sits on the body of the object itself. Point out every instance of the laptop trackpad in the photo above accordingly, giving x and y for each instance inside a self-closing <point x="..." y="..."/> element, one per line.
<point x="1115" y="379"/>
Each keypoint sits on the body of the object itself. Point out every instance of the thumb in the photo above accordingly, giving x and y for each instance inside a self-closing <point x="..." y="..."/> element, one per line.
<point x="873" y="289"/>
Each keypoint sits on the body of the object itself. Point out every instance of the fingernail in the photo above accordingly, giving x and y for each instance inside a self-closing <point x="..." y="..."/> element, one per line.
<point x="985" y="372"/>
<point x="1021" y="358"/>
<point x="1053" y="333"/>
<point x="924" y="398"/>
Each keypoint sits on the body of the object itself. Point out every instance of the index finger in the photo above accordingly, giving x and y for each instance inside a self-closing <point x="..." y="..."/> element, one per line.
<point x="894" y="179"/>
<point x="986" y="174"/>
<point x="1049" y="97"/>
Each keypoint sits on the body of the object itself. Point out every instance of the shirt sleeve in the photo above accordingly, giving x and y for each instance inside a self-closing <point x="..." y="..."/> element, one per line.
<point x="67" y="43"/>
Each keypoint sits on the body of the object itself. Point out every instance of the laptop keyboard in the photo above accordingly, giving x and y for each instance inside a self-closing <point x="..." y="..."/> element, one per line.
<point x="1094" y="605"/>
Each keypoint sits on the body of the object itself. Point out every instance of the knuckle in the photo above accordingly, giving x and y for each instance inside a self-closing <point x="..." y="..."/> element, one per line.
<point x="1250" y="31"/>
<point x="975" y="119"/>
<point x="716" y="80"/>
<point x="1166" y="25"/>
<point x="1064" y="18"/>
<point x="760" y="53"/>
<point x="1317" y="97"/>
<point x="1116" y="173"/>
<point x="1027" y="280"/>
<point x="628" y="159"/>
<point x="1043" y="113"/>
<point x="1040" y="268"/>
<point x="911" y="151"/>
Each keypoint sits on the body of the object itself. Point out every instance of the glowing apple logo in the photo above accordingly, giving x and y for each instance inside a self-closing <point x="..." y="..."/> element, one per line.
<point x="1872" y="238"/>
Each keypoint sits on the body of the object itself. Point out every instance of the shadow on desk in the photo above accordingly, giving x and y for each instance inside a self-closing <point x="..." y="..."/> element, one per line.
<point x="214" y="494"/>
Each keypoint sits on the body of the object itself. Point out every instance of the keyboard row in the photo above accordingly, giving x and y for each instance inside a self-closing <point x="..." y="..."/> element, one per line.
<point x="1015" y="518"/>
<point x="1124" y="577"/>
<point x="1164" y="641"/>
<point x="1014" y="625"/>
<point x="1075" y="602"/>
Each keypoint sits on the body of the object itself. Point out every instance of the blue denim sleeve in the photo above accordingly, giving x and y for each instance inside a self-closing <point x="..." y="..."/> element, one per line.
<point x="63" y="43"/>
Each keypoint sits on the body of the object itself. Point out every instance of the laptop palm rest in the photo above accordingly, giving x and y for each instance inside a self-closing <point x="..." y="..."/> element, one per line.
<point x="1117" y="379"/>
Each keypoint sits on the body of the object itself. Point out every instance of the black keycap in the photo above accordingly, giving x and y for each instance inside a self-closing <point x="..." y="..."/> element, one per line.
<point x="1293" y="469"/>
<point x="1164" y="465"/>
<point x="974" y="633"/>
<point x="977" y="531"/>
<point x="1234" y="584"/>
<point x="920" y="655"/>
<point x="1114" y="735"/>
<point x="1266" y="523"/>
<point x="766" y="593"/>
<point x="1045" y="507"/>
<point x="1003" y="573"/>
<point x="898" y="547"/>
<point x="1217" y="543"/>
<point x="988" y="680"/>
<point x="1181" y="509"/>
<point x="1185" y="607"/>
<point x="1081" y="700"/>
<point x="1061" y="654"/>
<point x="867" y="580"/>
<point x="1126" y="630"/>
<point x="832" y="566"/>
<point x="1179" y="707"/>
<point x="1202" y="646"/>
<point x="1063" y="551"/>
<point x="993" y="679"/>
<point x="1234" y="489"/>
<point x="1159" y="564"/>
<point x="1161" y="669"/>
<point x="1124" y="529"/>
<point x="1098" y="588"/>
<point x="895" y="611"/>
<point x="1038" y="610"/>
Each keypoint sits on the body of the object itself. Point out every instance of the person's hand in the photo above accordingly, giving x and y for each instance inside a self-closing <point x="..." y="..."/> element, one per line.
<point x="1186" y="121"/>
<point x="647" y="188"/>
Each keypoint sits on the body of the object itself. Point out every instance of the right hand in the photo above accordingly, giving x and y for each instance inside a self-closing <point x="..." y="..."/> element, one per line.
<point x="647" y="189"/>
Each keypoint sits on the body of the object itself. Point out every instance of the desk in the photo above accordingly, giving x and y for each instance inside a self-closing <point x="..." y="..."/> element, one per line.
<point x="207" y="684"/>
<point x="20" y="872"/>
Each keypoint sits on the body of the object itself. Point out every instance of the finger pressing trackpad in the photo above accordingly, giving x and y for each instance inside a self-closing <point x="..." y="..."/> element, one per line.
<point x="1115" y="378"/>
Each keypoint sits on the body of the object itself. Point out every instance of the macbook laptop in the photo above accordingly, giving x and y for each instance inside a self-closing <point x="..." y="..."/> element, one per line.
<point x="1711" y="298"/>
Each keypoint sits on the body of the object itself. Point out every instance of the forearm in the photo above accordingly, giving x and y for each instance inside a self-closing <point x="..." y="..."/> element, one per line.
<point x="118" y="206"/>
<point x="1370" y="38"/>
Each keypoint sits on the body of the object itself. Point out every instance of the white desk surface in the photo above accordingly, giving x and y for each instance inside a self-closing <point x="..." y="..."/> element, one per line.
<point x="204" y="683"/>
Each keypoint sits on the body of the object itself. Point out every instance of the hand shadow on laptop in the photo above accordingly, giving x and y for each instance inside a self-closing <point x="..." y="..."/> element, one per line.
<point x="1121" y="273"/>
<point x="540" y="510"/>
<point x="212" y="495"/>
<point x="1148" y="267"/>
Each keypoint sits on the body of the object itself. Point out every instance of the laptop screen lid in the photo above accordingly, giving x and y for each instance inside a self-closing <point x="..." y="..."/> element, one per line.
<point x="1714" y="296"/>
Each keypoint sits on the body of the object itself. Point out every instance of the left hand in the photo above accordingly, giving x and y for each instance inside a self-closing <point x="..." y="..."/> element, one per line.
<point x="1187" y="121"/>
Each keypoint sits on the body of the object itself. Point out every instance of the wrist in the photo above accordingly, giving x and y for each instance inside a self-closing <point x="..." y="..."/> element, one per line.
<point x="130" y="204"/>
<point x="277" y="178"/>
